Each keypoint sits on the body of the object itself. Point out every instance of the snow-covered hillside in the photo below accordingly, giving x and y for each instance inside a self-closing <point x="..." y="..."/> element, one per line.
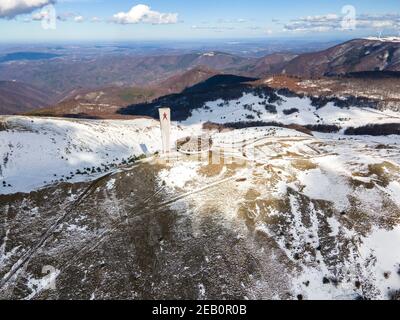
<point x="35" y="152"/>
<point x="288" y="110"/>
<point x="259" y="213"/>
<point x="331" y="203"/>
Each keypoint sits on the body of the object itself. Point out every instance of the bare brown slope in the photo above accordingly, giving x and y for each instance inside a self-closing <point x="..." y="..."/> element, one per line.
<point x="353" y="56"/>
<point x="64" y="75"/>
<point x="104" y="102"/>
<point x="105" y="82"/>
<point x="270" y="64"/>
<point x="181" y="81"/>
<point x="16" y="97"/>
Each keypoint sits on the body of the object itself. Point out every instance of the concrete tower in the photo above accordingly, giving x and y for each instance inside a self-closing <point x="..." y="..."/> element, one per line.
<point x="165" y="122"/>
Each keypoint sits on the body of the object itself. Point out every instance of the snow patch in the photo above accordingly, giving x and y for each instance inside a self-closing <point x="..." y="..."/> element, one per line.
<point x="110" y="184"/>
<point x="179" y="175"/>
<point x="327" y="186"/>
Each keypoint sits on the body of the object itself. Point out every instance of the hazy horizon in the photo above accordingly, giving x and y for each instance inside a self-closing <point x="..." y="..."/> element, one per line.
<point x="47" y="21"/>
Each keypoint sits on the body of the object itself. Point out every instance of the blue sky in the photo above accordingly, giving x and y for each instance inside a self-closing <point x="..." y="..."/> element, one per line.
<point x="108" y="20"/>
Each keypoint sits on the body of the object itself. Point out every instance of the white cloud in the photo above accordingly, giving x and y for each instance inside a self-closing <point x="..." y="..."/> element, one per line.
<point x="387" y="21"/>
<point x="240" y="20"/>
<point x="68" y="16"/>
<point x="79" y="19"/>
<point x="11" y="8"/>
<point x="95" y="19"/>
<point x="143" y="14"/>
<point x="319" y="23"/>
<point x="332" y="22"/>
<point x="39" y="16"/>
<point x="254" y="28"/>
<point x="45" y="14"/>
<point x="323" y="18"/>
<point x="213" y="28"/>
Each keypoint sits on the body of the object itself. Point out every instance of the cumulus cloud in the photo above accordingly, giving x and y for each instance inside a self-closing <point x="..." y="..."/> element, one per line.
<point x="70" y="16"/>
<point x="95" y="19"/>
<point x="317" y="23"/>
<point x="45" y="14"/>
<point x="11" y="8"/>
<point x="240" y="20"/>
<point x="39" y="16"/>
<point x="387" y="21"/>
<point x="143" y="14"/>
<point x="79" y="19"/>
<point x="254" y="28"/>
<point x="213" y="28"/>
<point x="332" y="22"/>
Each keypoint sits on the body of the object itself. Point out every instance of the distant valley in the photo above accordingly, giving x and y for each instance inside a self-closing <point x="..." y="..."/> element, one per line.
<point x="105" y="83"/>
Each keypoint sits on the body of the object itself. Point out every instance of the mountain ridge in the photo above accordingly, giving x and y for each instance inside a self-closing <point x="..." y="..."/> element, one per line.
<point x="16" y="97"/>
<point x="355" y="55"/>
